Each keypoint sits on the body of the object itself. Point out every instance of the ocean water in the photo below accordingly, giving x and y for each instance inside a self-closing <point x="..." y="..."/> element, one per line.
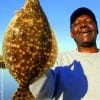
<point x="8" y="85"/>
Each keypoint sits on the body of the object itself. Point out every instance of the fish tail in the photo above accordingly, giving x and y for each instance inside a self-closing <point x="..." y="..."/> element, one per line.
<point x="23" y="94"/>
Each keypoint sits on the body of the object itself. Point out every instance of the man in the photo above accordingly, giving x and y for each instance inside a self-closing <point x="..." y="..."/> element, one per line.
<point x="76" y="76"/>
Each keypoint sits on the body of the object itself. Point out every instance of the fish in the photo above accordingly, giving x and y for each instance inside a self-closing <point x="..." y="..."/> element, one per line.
<point x="29" y="47"/>
<point x="2" y="65"/>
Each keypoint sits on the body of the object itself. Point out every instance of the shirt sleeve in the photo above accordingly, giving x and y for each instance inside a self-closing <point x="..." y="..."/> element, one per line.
<point x="36" y="86"/>
<point x="48" y="89"/>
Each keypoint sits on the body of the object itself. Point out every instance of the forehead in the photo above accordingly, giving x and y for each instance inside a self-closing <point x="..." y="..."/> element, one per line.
<point x="81" y="17"/>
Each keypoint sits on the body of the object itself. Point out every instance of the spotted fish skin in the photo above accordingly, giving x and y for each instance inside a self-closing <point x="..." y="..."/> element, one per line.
<point x="29" y="46"/>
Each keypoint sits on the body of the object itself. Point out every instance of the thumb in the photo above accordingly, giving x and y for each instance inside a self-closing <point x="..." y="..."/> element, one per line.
<point x="77" y="67"/>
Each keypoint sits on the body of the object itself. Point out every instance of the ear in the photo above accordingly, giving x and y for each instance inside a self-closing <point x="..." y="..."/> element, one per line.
<point x="97" y="31"/>
<point x="71" y="33"/>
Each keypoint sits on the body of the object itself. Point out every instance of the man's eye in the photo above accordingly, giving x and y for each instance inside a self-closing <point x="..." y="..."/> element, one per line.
<point x="88" y="21"/>
<point x="77" y="23"/>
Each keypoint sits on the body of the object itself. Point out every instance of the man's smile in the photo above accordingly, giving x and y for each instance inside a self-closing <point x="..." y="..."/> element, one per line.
<point x="85" y="32"/>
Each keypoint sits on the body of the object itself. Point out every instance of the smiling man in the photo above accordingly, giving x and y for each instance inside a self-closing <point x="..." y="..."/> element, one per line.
<point x="76" y="74"/>
<point x="84" y="30"/>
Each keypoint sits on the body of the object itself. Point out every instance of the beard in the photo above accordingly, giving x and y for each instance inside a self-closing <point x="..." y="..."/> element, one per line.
<point x="85" y="43"/>
<point x="88" y="44"/>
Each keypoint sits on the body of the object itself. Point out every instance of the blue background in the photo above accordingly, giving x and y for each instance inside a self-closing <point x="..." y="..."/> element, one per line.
<point x="58" y="14"/>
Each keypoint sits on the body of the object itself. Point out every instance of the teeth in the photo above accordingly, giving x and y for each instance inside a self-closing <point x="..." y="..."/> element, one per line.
<point x="85" y="32"/>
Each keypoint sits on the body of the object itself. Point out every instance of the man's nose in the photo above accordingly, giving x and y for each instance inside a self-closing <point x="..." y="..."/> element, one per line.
<point x="83" y="25"/>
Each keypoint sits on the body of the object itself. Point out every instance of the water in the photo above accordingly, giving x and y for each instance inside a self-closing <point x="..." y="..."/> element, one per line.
<point x="8" y="85"/>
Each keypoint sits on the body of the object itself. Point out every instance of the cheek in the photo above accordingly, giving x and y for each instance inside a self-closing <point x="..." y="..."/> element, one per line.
<point x="74" y="30"/>
<point x="93" y="27"/>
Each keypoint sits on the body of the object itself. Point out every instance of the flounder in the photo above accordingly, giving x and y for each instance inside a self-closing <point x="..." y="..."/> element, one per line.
<point x="29" y="47"/>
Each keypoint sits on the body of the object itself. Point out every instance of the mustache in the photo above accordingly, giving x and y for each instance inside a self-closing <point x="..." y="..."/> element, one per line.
<point x="84" y="30"/>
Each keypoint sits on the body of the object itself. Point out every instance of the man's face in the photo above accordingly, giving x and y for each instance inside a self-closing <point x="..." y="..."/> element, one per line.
<point x="84" y="31"/>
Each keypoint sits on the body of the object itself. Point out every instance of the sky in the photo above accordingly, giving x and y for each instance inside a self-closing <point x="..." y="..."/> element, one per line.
<point x="58" y="13"/>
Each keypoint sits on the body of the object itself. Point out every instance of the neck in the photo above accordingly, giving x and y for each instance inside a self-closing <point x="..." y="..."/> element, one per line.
<point x="88" y="49"/>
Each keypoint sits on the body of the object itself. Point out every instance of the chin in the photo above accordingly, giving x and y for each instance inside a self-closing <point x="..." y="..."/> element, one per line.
<point x="88" y="44"/>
